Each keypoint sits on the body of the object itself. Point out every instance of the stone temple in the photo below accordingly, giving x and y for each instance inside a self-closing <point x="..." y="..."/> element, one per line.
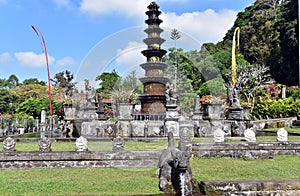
<point x="153" y="101"/>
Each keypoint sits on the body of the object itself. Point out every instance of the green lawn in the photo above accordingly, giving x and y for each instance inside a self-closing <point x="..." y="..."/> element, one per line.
<point x="109" y="181"/>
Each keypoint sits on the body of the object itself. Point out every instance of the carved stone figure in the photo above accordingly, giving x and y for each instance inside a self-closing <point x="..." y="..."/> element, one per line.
<point x="81" y="144"/>
<point x="229" y="92"/>
<point x="166" y="165"/>
<point x="175" y="174"/>
<point x="118" y="144"/>
<point x="45" y="144"/>
<point x="9" y="144"/>
<point x="219" y="135"/>
<point x="171" y="97"/>
<point x="250" y="135"/>
<point x="282" y="135"/>
<point x="236" y="95"/>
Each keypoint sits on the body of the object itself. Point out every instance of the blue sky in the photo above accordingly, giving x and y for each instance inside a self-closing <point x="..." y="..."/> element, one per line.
<point x="88" y="37"/>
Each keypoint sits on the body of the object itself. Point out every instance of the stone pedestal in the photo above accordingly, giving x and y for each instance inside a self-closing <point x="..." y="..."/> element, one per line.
<point x="186" y="133"/>
<point x="172" y="117"/>
<point x="236" y="114"/>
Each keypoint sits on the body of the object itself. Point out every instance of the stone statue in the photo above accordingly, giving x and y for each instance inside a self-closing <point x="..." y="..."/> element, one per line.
<point x="118" y="144"/>
<point x="69" y="129"/>
<point x="235" y="95"/>
<point x="45" y="144"/>
<point x="175" y="174"/>
<point x="90" y="93"/>
<point x="250" y="135"/>
<point x="229" y="92"/>
<point x="219" y="135"/>
<point x="197" y="104"/>
<point x="9" y="144"/>
<point x="166" y="165"/>
<point x="282" y="135"/>
<point x="171" y="97"/>
<point x="81" y="144"/>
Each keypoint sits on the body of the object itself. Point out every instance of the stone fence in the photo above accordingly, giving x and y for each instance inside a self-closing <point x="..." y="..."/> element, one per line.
<point x="85" y="159"/>
<point x="247" y="150"/>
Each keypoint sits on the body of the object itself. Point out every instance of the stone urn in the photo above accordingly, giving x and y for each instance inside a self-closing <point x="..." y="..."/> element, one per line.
<point x="212" y="111"/>
<point x="124" y="110"/>
<point x="69" y="111"/>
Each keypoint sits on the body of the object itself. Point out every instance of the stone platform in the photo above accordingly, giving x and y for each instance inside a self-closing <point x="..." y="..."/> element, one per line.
<point x="280" y="187"/>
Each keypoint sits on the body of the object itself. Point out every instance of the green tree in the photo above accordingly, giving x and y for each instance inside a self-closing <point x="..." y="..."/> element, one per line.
<point x="270" y="36"/>
<point x="175" y="35"/>
<point x="64" y="80"/>
<point x="12" y="81"/>
<point x="6" y="102"/>
<point x="33" y="81"/>
<point x="107" y="81"/>
<point x="131" y="82"/>
<point x="33" y="106"/>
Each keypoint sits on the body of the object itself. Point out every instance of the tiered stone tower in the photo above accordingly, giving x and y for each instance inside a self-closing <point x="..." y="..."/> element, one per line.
<point x="153" y="100"/>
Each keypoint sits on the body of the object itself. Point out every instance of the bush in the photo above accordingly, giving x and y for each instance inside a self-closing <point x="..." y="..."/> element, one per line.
<point x="276" y="108"/>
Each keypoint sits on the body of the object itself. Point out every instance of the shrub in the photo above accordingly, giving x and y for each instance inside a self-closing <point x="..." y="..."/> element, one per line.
<point x="276" y="108"/>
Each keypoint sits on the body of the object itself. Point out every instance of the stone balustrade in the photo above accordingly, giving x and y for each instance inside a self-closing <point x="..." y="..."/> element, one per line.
<point x="247" y="150"/>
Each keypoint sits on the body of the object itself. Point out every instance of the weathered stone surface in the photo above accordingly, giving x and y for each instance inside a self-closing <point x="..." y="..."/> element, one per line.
<point x="81" y="144"/>
<point x="282" y="135"/>
<point x="261" y="150"/>
<point x="45" y="144"/>
<point x="9" y="144"/>
<point x="219" y="135"/>
<point x="252" y="187"/>
<point x="250" y="135"/>
<point x="84" y="159"/>
<point x="118" y="144"/>
<point x="173" y="126"/>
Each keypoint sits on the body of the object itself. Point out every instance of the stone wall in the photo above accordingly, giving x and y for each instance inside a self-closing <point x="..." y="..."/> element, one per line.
<point x="251" y="187"/>
<point x="248" y="150"/>
<point x="68" y="159"/>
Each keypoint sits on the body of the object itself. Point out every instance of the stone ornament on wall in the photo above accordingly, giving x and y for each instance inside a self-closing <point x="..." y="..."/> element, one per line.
<point x="81" y="144"/>
<point x="282" y="135"/>
<point x="9" y="144"/>
<point x="45" y="144"/>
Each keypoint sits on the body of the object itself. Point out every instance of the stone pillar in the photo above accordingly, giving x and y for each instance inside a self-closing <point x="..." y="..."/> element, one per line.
<point x="283" y="92"/>
<point x="43" y="116"/>
<point x="186" y="132"/>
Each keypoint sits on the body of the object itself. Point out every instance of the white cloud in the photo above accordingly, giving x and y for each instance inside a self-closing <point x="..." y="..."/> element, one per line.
<point x="131" y="56"/>
<point x="128" y="7"/>
<point x="5" y="58"/>
<point x="66" y="61"/>
<point x="63" y="3"/>
<point x="31" y="59"/>
<point x="207" y="26"/>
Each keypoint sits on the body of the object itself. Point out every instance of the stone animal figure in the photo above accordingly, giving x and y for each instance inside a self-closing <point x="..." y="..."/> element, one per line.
<point x="175" y="174"/>
<point x="166" y="165"/>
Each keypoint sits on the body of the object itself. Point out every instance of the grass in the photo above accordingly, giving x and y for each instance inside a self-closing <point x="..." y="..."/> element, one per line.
<point x="288" y="129"/>
<point x="110" y="181"/>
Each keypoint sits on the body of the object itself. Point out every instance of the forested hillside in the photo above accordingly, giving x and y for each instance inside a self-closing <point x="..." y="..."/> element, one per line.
<point x="269" y="36"/>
